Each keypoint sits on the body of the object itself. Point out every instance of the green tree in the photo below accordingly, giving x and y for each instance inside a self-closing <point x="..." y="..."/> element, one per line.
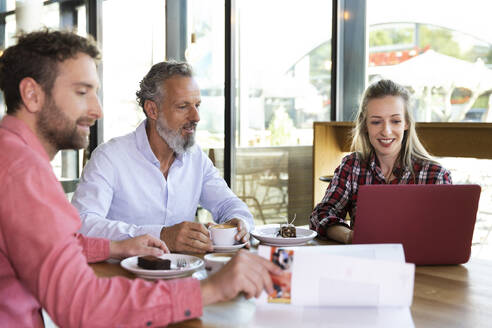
<point x="439" y="39"/>
<point x="390" y="36"/>
<point x="281" y="128"/>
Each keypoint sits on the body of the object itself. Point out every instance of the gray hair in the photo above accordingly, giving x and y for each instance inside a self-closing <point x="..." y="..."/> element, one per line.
<point x="150" y="86"/>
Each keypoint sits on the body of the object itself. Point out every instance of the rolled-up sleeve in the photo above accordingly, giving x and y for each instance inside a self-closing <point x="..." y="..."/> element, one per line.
<point x="333" y="208"/>
<point x="219" y="199"/>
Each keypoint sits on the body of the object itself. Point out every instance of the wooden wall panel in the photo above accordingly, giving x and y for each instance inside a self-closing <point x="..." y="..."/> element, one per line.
<point x="332" y="141"/>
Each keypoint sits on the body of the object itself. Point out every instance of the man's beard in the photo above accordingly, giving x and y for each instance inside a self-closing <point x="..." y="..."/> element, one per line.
<point x="174" y="139"/>
<point x="57" y="128"/>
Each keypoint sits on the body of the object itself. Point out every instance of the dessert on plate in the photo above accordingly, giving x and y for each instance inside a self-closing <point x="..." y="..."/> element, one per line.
<point x="287" y="230"/>
<point x="150" y="262"/>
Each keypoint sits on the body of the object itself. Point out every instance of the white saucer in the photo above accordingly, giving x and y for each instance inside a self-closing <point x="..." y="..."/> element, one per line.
<point x="267" y="235"/>
<point x="227" y="249"/>
<point x="200" y="274"/>
<point x="193" y="263"/>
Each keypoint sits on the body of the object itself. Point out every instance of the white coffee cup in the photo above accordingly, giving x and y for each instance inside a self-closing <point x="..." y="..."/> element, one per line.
<point x="223" y="234"/>
<point x="215" y="261"/>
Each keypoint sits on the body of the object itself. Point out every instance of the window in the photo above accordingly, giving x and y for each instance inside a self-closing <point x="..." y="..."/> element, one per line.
<point x="283" y="85"/>
<point x="443" y="61"/>
<point x="283" y="77"/>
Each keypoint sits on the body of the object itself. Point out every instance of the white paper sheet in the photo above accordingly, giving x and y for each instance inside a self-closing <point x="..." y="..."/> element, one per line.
<point x="332" y="280"/>
<point x="349" y="275"/>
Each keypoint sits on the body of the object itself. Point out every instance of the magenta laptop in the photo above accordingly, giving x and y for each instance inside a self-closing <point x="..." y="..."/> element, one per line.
<point x="433" y="222"/>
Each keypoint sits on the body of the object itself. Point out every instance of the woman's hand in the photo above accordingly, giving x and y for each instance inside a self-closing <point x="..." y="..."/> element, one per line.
<point x="340" y="233"/>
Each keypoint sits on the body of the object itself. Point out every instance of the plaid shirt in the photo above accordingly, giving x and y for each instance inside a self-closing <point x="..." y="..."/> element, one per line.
<point x="341" y="194"/>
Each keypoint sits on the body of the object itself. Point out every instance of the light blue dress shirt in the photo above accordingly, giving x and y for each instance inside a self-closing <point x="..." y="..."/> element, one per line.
<point x="122" y="192"/>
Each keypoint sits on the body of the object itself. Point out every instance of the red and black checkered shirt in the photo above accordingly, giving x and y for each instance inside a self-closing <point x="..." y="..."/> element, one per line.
<point x="341" y="194"/>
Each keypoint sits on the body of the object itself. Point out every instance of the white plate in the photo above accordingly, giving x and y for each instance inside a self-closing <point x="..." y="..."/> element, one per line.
<point x="267" y="234"/>
<point x="227" y="249"/>
<point x="193" y="263"/>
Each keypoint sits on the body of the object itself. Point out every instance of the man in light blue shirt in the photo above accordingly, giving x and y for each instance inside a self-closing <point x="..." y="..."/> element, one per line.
<point x="152" y="180"/>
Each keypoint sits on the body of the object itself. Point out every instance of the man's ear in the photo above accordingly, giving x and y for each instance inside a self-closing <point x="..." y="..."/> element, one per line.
<point x="151" y="109"/>
<point x="32" y="95"/>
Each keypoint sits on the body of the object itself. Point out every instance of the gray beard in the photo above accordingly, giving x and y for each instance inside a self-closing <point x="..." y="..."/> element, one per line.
<point x="174" y="139"/>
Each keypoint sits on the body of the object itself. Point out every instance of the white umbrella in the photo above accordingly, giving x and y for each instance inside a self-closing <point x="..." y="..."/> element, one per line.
<point x="433" y="69"/>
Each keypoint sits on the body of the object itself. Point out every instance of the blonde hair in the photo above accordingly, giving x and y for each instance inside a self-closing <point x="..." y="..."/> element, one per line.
<point x="411" y="146"/>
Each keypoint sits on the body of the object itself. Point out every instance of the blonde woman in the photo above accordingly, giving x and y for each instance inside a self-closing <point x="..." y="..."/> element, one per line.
<point x="386" y="149"/>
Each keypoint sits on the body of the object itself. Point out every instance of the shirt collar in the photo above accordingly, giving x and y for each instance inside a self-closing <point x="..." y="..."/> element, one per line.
<point x="143" y="146"/>
<point x="22" y="130"/>
<point x="398" y="170"/>
<point x="373" y="162"/>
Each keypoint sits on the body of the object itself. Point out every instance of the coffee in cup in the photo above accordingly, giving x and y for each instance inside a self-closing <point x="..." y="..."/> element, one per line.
<point x="215" y="261"/>
<point x="223" y="226"/>
<point x="223" y="234"/>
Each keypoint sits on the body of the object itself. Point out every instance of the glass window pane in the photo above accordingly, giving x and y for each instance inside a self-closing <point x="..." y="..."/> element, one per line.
<point x="284" y="73"/>
<point x="445" y="62"/>
<point x="51" y="15"/>
<point x="133" y="40"/>
<point x="81" y="21"/>
<point x="205" y="52"/>
<point x="10" y="27"/>
<point x="10" y="5"/>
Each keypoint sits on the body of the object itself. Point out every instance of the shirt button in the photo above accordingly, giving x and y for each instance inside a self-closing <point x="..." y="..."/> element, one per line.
<point x="149" y="323"/>
<point x="187" y="313"/>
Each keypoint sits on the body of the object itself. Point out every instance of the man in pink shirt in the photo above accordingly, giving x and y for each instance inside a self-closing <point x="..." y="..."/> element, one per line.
<point x="50" y="83"/>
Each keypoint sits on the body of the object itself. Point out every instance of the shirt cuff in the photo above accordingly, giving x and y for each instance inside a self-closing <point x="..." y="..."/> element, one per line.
<point x="186" y="299"/>
<point x="96" y="249"/>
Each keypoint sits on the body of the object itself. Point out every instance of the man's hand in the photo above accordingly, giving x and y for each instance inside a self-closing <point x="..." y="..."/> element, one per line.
<point x="141" y="245"/>
<point x="246" y="272"/>
<point x="242" y="232"/>
<point x="187" y="237"/>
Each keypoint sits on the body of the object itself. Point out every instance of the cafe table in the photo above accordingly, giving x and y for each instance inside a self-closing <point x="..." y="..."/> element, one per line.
<point x="444" y="296"/>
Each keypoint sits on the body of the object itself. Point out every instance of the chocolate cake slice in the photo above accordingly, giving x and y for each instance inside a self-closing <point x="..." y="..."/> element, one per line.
<point x="287" y="231"/>
<point x="150" y="262"/>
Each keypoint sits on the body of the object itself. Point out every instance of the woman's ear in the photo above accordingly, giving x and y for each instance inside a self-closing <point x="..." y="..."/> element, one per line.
<point x="32" y="95"/>
<point x="150" y="108"/>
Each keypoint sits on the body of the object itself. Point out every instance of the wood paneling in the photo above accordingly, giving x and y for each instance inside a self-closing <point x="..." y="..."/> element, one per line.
<point x="332" y="141"/>
<point x="300" y="183"/>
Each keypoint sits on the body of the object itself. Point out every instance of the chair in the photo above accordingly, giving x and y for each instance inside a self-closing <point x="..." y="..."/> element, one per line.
<point x="326" y="178"/>
<point x="259" y="171"/>
<point x="69" y="185"/>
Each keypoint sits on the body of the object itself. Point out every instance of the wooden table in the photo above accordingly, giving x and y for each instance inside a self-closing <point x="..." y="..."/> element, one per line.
<point x="444" y="296"/>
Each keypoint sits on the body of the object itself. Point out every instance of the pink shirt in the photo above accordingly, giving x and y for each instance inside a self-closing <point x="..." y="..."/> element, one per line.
<point x="43" y="262"/>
